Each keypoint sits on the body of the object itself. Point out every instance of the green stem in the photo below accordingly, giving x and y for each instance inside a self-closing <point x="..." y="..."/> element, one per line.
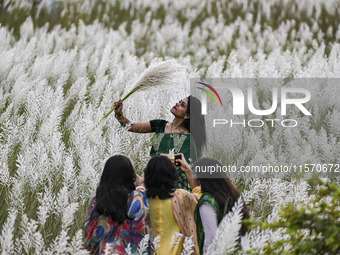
<point x="112" y="109"/>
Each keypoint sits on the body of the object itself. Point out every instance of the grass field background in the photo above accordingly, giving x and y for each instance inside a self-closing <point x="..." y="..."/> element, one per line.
<point x="64" y="63"/>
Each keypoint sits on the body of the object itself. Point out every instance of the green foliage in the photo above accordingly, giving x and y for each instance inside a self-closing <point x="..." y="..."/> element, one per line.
<point x="310" y="228"/>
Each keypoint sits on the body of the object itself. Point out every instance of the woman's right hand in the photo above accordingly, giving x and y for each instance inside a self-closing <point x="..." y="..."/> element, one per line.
<point x="118" y="108"/>
<point x="183" y="163"/>
<point x="132" y="127"/>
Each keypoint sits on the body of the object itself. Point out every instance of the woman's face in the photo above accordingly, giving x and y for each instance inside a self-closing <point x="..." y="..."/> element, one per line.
<point x="180" y="108"/>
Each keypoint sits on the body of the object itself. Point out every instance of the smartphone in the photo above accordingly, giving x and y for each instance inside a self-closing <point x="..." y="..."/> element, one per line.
<point x="178" y="156"/>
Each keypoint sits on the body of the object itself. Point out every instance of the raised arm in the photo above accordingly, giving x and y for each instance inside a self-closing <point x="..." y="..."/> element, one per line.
<point x="144" y="127"/>
<point x="187" y="169"/>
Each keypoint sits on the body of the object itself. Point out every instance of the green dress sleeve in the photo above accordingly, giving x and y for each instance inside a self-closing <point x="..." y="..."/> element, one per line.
<point x="158" y="125"/>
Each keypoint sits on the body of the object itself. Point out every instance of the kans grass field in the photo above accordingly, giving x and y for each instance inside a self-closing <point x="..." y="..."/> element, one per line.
<point x="64" y="63"/>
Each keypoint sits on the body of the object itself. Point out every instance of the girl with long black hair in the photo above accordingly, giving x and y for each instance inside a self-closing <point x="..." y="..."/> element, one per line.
<point x="118" y="214"/>
<point x="218" y="198"/>
<point x="171" y="209"/>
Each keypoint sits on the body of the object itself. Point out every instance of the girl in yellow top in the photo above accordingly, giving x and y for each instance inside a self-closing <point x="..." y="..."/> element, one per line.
<point x="171" y="209"/>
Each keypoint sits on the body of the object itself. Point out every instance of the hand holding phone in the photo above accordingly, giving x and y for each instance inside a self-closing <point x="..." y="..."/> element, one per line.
<point x="178" y="156"/>
<point x="182" y="163"/>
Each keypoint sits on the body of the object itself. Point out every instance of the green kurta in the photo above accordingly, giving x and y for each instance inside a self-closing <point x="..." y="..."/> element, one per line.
<point x="173" y="143"/>
<point x="205" y="198"/>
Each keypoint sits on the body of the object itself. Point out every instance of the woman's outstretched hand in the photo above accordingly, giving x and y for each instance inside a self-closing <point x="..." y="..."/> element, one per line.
<point x="132" y="127"/>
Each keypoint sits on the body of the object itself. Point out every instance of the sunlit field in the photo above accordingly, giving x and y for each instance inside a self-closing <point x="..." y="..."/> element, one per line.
<point x="64" y="63"/>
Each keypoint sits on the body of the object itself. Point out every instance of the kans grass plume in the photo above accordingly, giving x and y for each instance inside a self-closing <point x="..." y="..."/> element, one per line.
<point x="159" y="74"/>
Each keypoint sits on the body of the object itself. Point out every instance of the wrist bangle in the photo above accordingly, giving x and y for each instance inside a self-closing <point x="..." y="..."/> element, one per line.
<point x="128" y="126"/>
<point x="121" y="117"/>
<point x="140" y="187"/>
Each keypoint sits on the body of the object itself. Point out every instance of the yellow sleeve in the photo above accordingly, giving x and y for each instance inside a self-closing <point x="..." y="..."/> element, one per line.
<point x="197" y="191"/>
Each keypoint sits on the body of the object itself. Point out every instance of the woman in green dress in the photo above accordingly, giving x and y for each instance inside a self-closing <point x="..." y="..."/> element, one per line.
<point x="173" y="137"/>
<point x="218" y="198"/>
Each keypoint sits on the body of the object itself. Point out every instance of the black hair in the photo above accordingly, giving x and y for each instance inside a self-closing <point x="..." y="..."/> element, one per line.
<point x="221" y="188"/>
<point x="194" y="110"/>
<point x="160" y="177"/>
<point x="116" y="182"/>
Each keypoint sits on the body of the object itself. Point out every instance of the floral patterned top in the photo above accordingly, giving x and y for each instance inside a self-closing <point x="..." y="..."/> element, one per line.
<point x="101" y="230"/>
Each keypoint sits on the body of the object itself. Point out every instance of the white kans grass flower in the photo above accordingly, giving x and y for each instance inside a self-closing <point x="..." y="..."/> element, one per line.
<point x="226" y="242"/>
<point x="144" y="245"/>
<point x="16" y="199"/>
<point x="176" y="239"/>
<point x="76" y="246"/>
<point x="46" y="201"/>
<point x="7" y="237"/>
<point x="38" y="243"/>
<point x="155" y="243"/>
<point x="108" y="249"/>
<point x="28" y="228"/>
<point x="60" y="244"/>
<point x="128" y="250"/>
<point x="188" y="246"/>
<point x="68" y="215"/>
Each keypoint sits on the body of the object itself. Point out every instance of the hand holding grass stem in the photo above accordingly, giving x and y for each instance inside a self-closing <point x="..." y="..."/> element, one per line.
<point x="162" y="73"/>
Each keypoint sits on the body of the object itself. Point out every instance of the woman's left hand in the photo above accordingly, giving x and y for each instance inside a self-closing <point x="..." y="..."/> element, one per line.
<point x="139" y="180"/>
<point x="139" y="183"/>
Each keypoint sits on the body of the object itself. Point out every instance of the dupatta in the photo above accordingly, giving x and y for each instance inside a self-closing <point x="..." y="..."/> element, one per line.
<point x="183" y="205"/>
